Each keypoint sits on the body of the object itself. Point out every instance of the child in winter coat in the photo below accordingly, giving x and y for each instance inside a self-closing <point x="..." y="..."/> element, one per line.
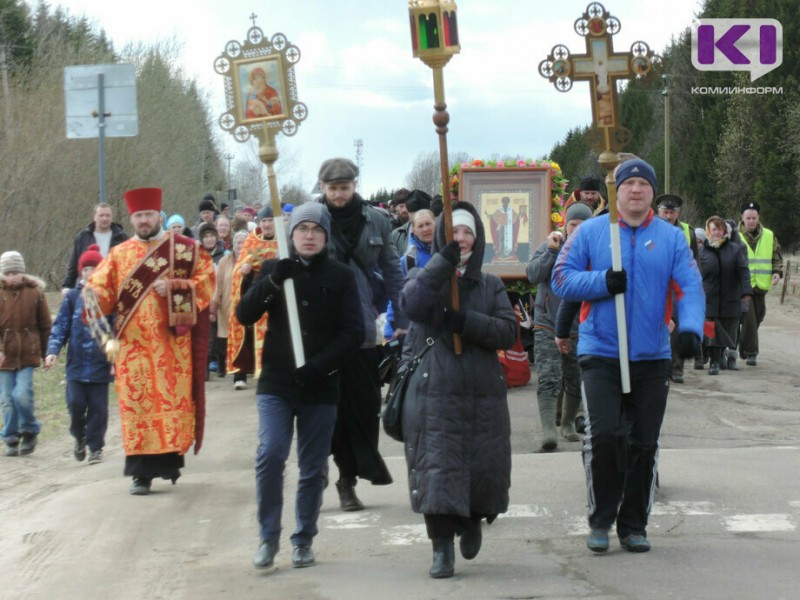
<point x="88" y="369"/>
<point x="24" y="326"/>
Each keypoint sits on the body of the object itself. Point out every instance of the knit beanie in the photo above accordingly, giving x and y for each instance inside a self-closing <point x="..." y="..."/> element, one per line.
<point x="313" y="212"/>
<point x="175" y="219"/>
<point x="209" y="202"/>
<point x="11" y="261"/>
<point x="464" y="217"/>
<point x="90" y="258"/>
<point x="578" y="211"/>
<point x="264" y="213"/>
<point x="637" y="168"/>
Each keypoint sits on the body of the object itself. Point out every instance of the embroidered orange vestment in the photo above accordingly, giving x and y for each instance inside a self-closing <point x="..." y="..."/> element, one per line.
<point x="255" y="250"/>
<point x="154" y="365"/>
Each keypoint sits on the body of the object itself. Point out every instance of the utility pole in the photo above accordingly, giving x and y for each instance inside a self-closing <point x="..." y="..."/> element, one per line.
<point x="6" y="94"/>
<point x="231" y="195"/>
<point x="359" y="144"/>
<point x="665" y="93"/>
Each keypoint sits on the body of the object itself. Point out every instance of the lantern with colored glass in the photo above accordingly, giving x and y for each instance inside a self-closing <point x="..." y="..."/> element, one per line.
<point x="434" y="29"/>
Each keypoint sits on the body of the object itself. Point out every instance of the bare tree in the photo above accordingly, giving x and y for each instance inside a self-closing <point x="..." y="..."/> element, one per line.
<point x="425" y="173"/>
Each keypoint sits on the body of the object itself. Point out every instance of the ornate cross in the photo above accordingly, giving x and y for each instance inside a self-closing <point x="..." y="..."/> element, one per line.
<point x="601" y="67"/>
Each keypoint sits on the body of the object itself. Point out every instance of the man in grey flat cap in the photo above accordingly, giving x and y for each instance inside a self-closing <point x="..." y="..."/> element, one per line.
<point x="360" y="238"/>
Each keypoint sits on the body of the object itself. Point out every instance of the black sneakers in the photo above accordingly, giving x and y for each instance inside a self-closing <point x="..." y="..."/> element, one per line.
<point x="79" y="450"/>
<point x="28" y="443"/>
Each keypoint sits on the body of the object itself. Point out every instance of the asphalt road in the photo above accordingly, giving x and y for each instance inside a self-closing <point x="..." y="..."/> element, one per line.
<point x="724" y="525"/>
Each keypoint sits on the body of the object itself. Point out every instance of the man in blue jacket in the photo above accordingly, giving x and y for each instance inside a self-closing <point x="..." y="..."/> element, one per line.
<point x="621" y="443"/>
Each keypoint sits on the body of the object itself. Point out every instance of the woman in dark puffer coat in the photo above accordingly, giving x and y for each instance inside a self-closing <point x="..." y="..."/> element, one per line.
<point x="455" y="419"/>
<point x="726" y="283"/>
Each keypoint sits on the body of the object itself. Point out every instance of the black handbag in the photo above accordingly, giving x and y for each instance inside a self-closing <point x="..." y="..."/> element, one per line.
<point x="392" y="415"/>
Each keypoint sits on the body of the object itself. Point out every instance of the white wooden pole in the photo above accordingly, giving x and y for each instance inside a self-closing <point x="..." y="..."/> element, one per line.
<point x="288" y="292"/>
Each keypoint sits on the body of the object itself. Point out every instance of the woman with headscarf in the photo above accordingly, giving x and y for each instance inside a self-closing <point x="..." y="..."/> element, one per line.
<point x="220" y="310"/>
<point x="455" y="419"/>
<point x="726" y="282"/>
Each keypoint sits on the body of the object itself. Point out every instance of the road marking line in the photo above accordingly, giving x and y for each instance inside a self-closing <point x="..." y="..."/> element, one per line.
<point x="751" y="523"/>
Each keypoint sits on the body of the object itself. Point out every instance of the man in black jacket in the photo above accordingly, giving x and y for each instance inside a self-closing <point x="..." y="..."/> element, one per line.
<point x="101" y="231"/>
<point x="360" y="239"/>
<point x="331" y="330"/>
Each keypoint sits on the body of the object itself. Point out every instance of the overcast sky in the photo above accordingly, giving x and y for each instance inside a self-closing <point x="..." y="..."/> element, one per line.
<point x="359" y="80"/>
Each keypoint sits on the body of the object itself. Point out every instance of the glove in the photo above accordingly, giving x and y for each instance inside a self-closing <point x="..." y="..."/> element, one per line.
<point x="306" y="375"/>
<point x="616" y="281"/>
<point x="687" y="344"/>
<point x="745" y="308"/>
<point x="283" y="270"/>
<point x="454" y="320"/>
<point x="451" y="253"/>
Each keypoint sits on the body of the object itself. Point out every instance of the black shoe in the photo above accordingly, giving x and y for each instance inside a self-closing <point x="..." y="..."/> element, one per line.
<point x="12" y="448"/>
<point x="713" y="369"/>
<point x="676" y="378"/>
<point x="699" y="365"/>
<point x="348" y="501"/>
<point x="302" y="556"/>
<point x="140" y="486"/>
<point x="470" y="542"/>
<point x="751" y="361"/>
<point x="79" y="450"/>
<point x="444" y="558"/>
<point x="635" y="543"/>
<point x="28" y="444"/>
<point x="95" y="456"/>
<point x="732" y="361"/>
<point x="265" y="555"/>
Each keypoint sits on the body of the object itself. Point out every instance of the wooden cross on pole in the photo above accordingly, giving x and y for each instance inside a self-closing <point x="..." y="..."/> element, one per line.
<point x="602" y="67"/>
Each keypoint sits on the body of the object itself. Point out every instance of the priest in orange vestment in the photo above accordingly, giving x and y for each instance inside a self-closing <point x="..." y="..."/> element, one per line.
<point x="159" y="286"/>
<point x="245" y="343"/>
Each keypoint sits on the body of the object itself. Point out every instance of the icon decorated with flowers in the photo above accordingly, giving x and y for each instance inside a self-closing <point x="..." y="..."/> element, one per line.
<point x="558" y="190"/>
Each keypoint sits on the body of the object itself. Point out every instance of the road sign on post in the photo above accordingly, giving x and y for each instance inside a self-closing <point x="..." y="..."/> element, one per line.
<point x="100" y="102"/>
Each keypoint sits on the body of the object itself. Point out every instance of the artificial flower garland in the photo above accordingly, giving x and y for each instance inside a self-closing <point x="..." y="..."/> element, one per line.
<point x="558" y="190"/>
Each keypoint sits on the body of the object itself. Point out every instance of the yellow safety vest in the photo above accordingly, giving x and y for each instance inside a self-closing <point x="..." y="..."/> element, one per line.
<point x="760" y="260"/>
<point x="686" y="232"/>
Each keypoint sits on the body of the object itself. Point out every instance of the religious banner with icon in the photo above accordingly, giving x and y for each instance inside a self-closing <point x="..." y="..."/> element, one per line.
<point x="260" y="85"/>
<point x="514" y="205"/>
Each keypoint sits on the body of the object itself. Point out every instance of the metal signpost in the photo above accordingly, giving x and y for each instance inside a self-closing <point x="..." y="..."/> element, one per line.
<point x="101" y="102"/>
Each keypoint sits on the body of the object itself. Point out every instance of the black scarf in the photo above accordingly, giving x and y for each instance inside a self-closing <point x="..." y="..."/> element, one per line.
<point x="348" y="219"/>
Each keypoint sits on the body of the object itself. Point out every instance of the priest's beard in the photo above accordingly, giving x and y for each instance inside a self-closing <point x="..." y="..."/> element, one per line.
<point x="150" y="234"/>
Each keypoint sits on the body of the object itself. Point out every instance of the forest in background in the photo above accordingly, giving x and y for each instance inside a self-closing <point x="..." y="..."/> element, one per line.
<point x="725" y="149"/>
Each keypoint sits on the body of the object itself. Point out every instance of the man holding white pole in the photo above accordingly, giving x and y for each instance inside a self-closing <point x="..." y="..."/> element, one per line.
<point x="622" y="433"/>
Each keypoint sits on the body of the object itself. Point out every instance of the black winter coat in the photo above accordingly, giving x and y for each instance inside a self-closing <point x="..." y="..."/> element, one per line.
<point x="83" y="240"/>
<point x="726" y="279"/>
<point x="455" y="419"/>
<point x="330" y="323"/>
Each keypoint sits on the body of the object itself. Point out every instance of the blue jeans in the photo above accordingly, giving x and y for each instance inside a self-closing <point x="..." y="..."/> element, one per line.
<point x="88" y="410"/>
<point x="315" y="423"/>
<point x="16" y="392"/>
